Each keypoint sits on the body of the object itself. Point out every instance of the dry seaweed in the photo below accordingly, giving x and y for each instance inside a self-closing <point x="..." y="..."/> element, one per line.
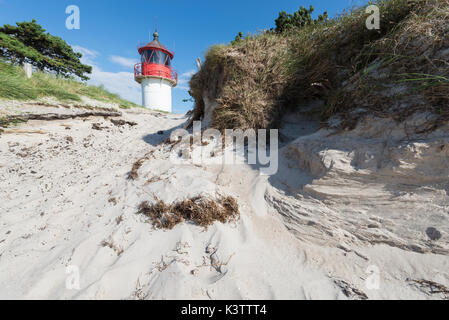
<point x="199" y="210"/>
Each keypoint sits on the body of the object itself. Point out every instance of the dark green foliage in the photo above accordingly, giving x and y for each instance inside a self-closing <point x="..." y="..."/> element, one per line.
<point x="238" y="38"/>
<point x="298" y="19"/>
<point x="28" y="42"/>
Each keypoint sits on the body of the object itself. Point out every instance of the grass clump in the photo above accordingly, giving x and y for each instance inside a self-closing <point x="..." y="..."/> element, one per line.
<point x="15" y="85"/>
<point x="245" y="79"/>
<point x="394" y="71"/>
<point x="199" y="210"/>
<point x="402" y="72"/>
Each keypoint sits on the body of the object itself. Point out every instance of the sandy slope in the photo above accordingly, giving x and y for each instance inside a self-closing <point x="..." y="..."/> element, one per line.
<point x="64" y="192"/>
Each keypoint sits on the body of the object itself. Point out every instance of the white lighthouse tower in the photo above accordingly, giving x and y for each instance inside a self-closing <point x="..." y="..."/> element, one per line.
<point x="156" y="75"/>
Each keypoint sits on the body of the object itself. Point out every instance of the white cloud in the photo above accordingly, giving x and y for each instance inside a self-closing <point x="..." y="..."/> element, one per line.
<point x="188" y="74"/>
<point x="125" y="62"/>
<point x="121" y="83"/>
<point x="88" y="55"/>
<point x="184" y="79"/>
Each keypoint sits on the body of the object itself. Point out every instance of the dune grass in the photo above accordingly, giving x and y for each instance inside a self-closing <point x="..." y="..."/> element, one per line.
<point x="15" y="85"/>
<point x="340" y="62"/>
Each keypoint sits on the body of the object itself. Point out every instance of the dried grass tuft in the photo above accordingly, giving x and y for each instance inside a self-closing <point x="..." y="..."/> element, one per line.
<point x="199" y="210"/>
<point x="112" y="245"/>
<point x="134" y="173"/>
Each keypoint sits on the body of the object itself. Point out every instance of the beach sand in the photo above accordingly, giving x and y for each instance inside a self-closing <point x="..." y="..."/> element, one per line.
<point x="332" y="223"/>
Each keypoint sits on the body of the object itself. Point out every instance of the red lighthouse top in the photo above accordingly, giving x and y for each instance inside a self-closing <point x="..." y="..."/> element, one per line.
<point x="155" y="62"/>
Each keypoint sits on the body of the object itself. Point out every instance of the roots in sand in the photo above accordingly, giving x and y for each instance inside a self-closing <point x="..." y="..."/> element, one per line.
<point x="7" y="120"/>
<point x="430" y="287"/>
<point x="201" y="211"/>
<point x="121" y="122"/>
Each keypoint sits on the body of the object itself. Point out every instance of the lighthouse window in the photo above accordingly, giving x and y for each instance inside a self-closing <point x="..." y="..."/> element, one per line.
<point x="155" y="56"/>
<point x="147" y="56"/>
<point x="167" y="61"/>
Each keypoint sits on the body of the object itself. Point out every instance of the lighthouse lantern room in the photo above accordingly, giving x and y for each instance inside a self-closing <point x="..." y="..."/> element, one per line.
<point x="156" y="75"/>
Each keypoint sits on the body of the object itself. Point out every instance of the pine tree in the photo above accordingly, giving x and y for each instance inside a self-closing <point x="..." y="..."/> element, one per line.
<point x="29" y="42"/>
<point x="298" y="19"/>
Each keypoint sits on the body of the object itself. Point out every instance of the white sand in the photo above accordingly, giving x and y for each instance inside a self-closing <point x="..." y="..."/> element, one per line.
<point x="305" y="233"/>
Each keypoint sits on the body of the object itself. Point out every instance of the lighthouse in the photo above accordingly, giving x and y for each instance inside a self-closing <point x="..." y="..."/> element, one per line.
<point x="156" y="75"/>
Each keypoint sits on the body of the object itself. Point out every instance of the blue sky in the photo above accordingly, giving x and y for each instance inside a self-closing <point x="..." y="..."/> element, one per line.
<point x="110" y="31"/>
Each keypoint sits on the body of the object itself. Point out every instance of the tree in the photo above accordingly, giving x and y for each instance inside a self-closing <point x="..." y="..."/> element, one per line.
<point x="238" y="38"/>
<point x="298" y="19"/>
<point x="29" y="42"/>
<point x="15" y="51"/>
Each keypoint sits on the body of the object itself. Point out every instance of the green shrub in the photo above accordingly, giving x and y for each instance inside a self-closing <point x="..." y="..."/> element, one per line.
<point x="298" y="19"/>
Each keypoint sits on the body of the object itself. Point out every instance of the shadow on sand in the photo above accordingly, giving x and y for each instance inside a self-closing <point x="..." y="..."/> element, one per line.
<point x="158" y="137"/>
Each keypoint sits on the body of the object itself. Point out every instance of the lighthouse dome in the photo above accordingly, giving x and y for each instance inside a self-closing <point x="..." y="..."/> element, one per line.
<point x="156" y="45"/>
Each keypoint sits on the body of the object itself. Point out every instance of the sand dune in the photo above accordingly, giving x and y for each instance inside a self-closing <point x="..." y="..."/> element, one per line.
<point x="335" y="222"/>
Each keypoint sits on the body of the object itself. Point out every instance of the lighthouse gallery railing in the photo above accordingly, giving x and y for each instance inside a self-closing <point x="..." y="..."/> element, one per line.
<point x="163" y="72"/>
